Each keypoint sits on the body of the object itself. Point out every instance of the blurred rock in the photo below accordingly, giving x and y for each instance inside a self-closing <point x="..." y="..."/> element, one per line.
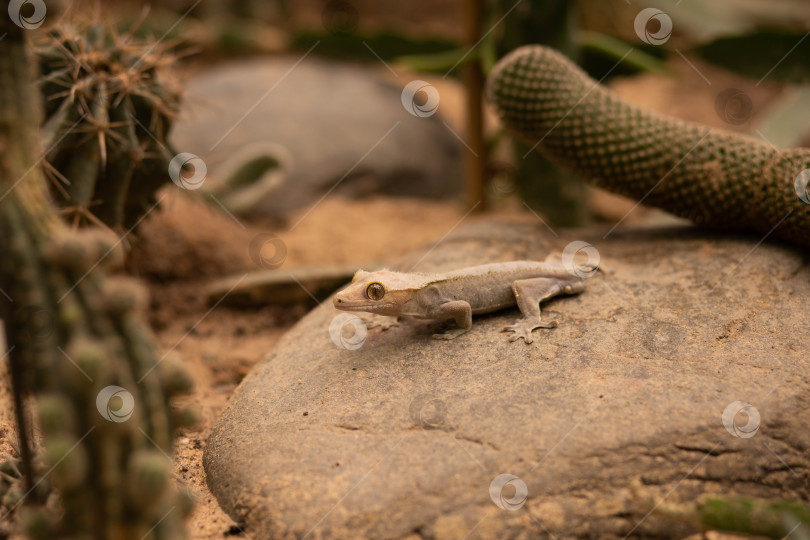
<point x="407" y="434"/>
<point x="331" y="128"/>
<point x="294" y="286"/>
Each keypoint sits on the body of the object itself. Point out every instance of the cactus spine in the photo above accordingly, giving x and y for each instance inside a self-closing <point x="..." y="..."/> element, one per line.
<point x="108" y="103"/>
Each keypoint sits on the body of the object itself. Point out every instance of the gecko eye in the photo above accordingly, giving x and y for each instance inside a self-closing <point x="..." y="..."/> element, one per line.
<point x="375" y="291"/>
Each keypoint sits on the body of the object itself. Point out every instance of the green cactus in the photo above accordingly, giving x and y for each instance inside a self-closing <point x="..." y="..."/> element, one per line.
<point x="108" y="103"/>
<point x="73" y="332"/>
<point x="713" y="177"/>
<point x="737" y="514"/>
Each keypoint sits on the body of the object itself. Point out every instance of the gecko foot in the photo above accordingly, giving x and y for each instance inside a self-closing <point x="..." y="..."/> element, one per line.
<point x="451" y="334"/>
<point x="523" y="329"/>
<point x="382" y="322"/>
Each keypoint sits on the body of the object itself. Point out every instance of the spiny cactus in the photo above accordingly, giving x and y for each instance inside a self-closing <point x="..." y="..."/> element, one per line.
<point x="108" y="103"/>
<point x="713" y="177"/>
<point x="79" y="346"/>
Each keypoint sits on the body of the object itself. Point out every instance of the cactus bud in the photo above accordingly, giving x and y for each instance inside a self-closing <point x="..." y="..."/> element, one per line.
<point x="174" y="376"/>
<point x="70" y="250"/>
<point x="56" y="415"/>
<point x="69" y="461"/>
<point x="121" y="297"/>
<point x="148" y="476"/>
<point x="90" y="358"/>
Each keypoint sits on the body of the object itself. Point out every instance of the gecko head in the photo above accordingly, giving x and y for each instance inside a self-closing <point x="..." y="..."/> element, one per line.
<point x="378" y="292"/>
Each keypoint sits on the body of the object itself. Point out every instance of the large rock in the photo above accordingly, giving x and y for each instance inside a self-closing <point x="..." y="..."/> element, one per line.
<point x="403" y="436"/>
<point x="329" y="125"/>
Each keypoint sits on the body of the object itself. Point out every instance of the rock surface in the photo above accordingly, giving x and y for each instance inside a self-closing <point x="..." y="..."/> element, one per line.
<point x="299" y="113"/>
<point x="403" y="436"/>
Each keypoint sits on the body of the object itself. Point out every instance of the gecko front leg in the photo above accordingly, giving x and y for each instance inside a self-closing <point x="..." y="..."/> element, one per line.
<point x="460" y="311"/>
<point x="528" y="295"/>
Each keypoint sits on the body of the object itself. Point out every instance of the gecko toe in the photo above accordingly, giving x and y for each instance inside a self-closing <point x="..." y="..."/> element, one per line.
<point x="522" y="336"/>
<point x="451" y="334"/>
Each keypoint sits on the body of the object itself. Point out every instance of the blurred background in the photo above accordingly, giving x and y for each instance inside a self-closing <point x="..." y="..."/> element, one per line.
<point x="305" y="139"/>
<point x="278" y="84"/>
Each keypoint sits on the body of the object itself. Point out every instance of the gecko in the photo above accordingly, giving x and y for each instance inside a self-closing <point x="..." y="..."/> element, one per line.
<point x="460" y="294"/>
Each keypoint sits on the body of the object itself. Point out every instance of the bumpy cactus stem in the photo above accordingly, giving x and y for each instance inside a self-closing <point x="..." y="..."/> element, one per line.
<point x="74" y="335"/>
<point x="713" y="177"/>
<point x="108" y="101"/>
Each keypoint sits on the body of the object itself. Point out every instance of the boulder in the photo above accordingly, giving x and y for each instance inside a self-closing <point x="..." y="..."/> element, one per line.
<point x="682" y="370"/>
<point x="326" y="126"/>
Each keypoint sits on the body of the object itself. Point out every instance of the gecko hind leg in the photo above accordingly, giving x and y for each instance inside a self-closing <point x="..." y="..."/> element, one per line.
<point x="528" y="294"/>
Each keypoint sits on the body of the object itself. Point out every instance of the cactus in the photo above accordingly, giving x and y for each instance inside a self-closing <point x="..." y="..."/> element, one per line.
<point x="737" y="514"/>
<point x="108" y="105"/>
<point x="731" y="513"/>
<point x="716" y="178"/>
<point x="77" y="341"/>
